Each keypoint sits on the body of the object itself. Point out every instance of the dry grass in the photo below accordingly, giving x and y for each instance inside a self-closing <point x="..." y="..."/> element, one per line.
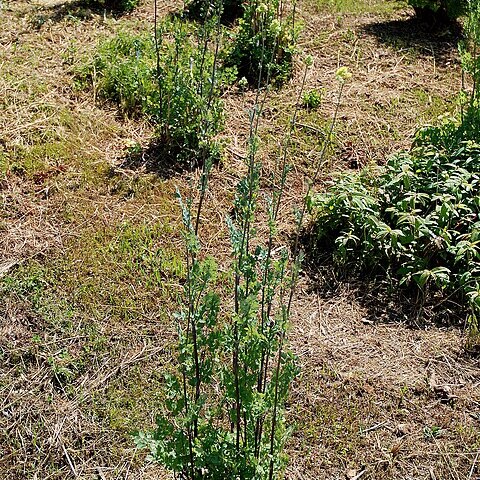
<point x="90" y="259"/>
<point x="371" y="391"/>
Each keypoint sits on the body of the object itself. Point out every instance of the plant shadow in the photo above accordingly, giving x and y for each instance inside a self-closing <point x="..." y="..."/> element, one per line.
<point x="428" y="39"/>
<point x="195" y="11"/>
<point x="82" y="10"/>
<point x="164" y="161"/>
<point x="384" y="300"/>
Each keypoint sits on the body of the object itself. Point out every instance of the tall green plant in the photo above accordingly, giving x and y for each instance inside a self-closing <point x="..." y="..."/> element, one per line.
<point x="187" y="105"/>
<point x="224" y="411"/>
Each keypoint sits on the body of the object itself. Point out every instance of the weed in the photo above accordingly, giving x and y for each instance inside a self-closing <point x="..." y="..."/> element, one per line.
<point x="224" y="413"/>
<point x="312" y="99"/>
<point x="417" y="216"/>
<point x="173" y="79"/>
<point x="224" y="410"/>
<point x="433" y="432"/>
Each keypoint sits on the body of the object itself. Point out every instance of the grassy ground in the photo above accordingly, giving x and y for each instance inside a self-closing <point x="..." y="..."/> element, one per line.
<point x="91" y="258"/>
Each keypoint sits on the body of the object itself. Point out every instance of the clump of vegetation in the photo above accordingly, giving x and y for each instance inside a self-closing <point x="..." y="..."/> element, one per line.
<point x="418" y="217"/>
<point x="312" y="99"/>
<point x="439" y="10"/>
<point x="123" y="70"/>
<point x="116" y="5"/>
<point x="265" y="43"/>
<point x="173" y="79"/>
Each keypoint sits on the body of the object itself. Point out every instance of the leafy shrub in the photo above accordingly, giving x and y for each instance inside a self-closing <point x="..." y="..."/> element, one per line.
<point x="229" y="10"/>
<point x="417" y="217"/>
<point x="117" y="5"/>
<point x="264" y="44"/>
<point x="439" y="9"/>
<point x="179" y="93"/>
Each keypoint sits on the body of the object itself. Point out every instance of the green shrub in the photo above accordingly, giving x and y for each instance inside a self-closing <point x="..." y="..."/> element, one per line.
<point x="117" y="5"/>
<point x="417" y="217"/>
<point x="179" y="94"/>
<point x="264" y="45"/>
<point x="229" y="10"/>
<point x="439" y="9"/>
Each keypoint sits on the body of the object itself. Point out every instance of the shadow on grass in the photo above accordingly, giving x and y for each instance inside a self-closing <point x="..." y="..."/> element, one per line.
<point x="74" y="9"/>
<point x="430" y="39"/>
<point x="384" y="300"/>
<point x="164" y="161"/>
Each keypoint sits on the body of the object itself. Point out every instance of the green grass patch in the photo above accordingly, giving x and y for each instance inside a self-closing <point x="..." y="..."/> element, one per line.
<point x="119" y="274"/>
<point x="90" y="319"/>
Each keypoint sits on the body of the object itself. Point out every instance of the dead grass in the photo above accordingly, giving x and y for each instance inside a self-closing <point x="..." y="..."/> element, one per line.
<point x="376" y="391"/>
<point x="90" y="258"/>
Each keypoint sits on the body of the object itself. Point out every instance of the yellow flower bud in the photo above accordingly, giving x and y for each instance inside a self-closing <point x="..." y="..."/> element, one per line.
<point x="343" y="74"/>
<point x="275" y="27"/>
<point x="262" y="8"/>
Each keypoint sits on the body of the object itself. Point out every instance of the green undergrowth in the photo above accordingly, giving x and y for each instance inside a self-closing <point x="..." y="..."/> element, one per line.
<point x="180" y="94"/>
<point x="58" y="141"/>
<point x="416" y="219"/>
<point x="93" y="314"/>
<point x="126" y="401"/>
<point x="118" y="274"/>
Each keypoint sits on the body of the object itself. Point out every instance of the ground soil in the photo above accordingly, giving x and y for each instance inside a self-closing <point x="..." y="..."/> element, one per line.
<point x="85" y="334"/>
